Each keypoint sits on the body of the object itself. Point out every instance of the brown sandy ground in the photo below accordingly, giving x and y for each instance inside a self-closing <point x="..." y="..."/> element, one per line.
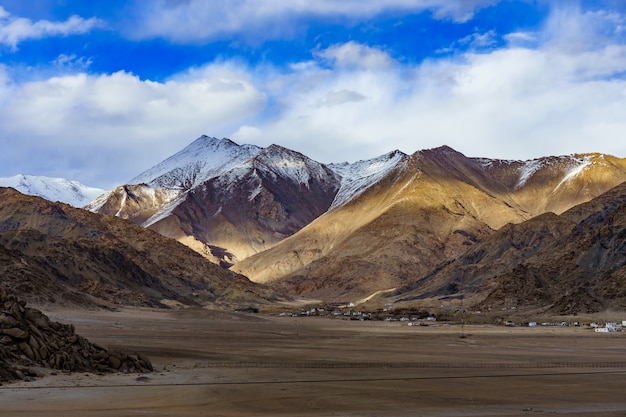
<point x="227" y="364"/>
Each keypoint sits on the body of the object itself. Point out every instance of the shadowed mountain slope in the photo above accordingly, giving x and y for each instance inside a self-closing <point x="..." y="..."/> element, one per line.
<point x="54" y="253"/>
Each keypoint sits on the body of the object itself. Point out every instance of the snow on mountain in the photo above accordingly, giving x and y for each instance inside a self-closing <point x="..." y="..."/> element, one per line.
<point x="291" y="164"/>
<point x="282" y="189"/>
<point x="248" y="169"/>
<point x="359" y="176"/>
<point x="569" y="165"/>
<point x="578" y="166"/>
<point x="209" y="157"/>
<point x="165" y="211"/>
<point x="573" y="165"/>
<point x="527" y="171"/>
<point x="205" y="158"/>
<point x="276" y="162"/>
<point x="53" y="189"/>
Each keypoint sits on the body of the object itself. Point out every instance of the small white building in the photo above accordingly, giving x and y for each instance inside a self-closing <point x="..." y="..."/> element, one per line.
<point x="609" y="327"/>
<point x="603" y="330"/>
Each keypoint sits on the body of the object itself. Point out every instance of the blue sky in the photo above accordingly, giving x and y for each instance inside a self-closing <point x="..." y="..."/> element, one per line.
<point x="98" y="91"/>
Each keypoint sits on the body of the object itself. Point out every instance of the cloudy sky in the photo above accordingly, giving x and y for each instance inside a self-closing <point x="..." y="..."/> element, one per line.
<point x="98" y="91"/>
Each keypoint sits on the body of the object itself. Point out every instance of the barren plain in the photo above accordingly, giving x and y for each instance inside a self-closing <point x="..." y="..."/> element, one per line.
<point x="230" y="364"/>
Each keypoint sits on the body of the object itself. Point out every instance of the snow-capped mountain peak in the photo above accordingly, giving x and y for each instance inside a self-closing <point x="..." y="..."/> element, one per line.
<point x="204" y="158"/>
<point x="54" y="189"/>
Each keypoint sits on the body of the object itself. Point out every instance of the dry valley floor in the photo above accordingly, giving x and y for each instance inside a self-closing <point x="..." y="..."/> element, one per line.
<point x="227" y="364"/>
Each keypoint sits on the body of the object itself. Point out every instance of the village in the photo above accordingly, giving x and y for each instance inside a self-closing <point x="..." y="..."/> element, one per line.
<point x="424" y="318"/>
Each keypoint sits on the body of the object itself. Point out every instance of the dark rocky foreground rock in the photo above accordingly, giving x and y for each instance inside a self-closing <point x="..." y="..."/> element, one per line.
<point x="30" y="340"/>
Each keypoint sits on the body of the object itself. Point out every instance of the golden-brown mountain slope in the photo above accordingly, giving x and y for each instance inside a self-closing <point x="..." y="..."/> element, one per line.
<point x="567" y="264"/>
<point x="397" y="230"/>
<point x="555" y="184"/>
<point x="432" y="207"/>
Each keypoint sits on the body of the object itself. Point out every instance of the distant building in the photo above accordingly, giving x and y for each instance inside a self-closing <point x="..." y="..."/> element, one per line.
<point x="609" y="327"/>
<point x="603" y="330"/>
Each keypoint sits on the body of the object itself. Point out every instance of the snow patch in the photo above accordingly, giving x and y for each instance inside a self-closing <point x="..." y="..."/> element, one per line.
<point x="165" y="211"/>
<point x="53" y="189"/>
<point x="359" y="176"/>
<point x="527" y="170"/>
<point x="285" y="163"/>
<point x="122" y="204"/>
<point x="255" y="192"/>
<point x="98" y="202"/>
<point x="577" y="169"/>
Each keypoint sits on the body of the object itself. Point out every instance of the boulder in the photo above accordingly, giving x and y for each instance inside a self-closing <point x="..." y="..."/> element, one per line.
<point x="29" y="339"/>
<point x="16" y="333"/>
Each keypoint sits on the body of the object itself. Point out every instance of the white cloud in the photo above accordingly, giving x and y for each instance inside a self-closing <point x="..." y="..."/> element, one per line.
<point x="473" y="42"/>
<point x="571" y="29"/>
<point x="479" y="40"/>
<point x="199" y="20"/>
<point x="459" y="11"/>
<point x="355" y="55"/>
<point x="335" y="98"/>
<point x="521" y="39"/>
<point x="71" y="63"/>
<point x="511" y="102"/>
<point x="14" y="30"/>
<point x="127" y="119"/>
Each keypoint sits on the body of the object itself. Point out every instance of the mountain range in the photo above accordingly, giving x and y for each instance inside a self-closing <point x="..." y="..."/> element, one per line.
<point x="54" y="189"/>
<point x="397" y="225"/>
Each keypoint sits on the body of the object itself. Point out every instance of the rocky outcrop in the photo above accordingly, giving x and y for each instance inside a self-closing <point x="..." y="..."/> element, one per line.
<point x="30" y="340"/>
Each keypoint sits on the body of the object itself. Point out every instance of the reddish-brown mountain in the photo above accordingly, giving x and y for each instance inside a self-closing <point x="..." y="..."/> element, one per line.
<point x="224" y="200"/>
